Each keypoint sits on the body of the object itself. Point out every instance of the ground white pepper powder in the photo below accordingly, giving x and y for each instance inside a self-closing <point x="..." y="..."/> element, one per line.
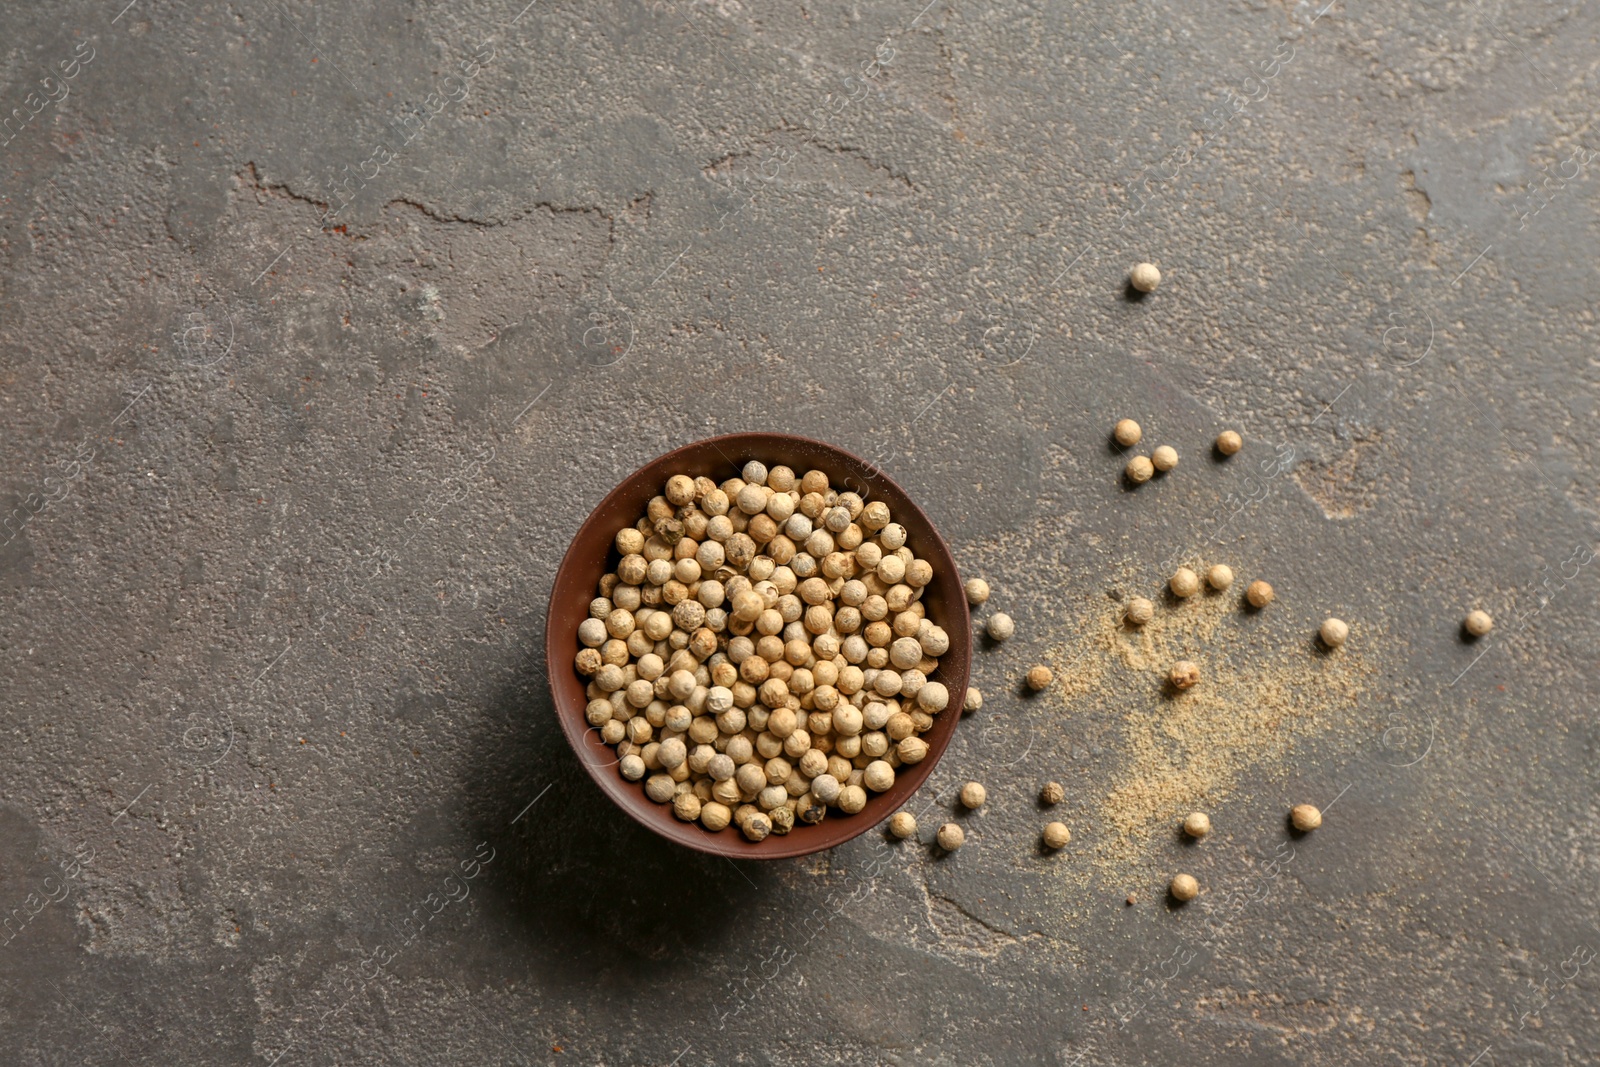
<point x="1056" y="835"/>
<point x="1305" y="818"/>
<point x="1139" y="470"/>
<point x="1145" y="277"/>
<point x="951" y="837"/>
<point x="1334" y="632"/>
<point x="1259" y="594"/>
<point x="902" y="824"/>
<point x="1229" y="442"/>
<point x="1164" y="458"/>
<point x="1127" y="433"/>
<point x="1184" y="888"/>
<point x="1197" y="824"/>
<point x="1478" y="623"/>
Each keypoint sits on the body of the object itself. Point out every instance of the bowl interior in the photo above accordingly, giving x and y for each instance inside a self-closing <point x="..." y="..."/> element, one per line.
<point x="592" y="555"/>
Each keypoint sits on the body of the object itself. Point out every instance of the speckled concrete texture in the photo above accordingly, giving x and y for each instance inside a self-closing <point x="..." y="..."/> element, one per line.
<point x="324" y="325"/>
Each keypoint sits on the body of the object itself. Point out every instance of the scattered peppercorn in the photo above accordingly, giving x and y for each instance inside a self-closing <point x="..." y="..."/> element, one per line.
<point x="1197" y="824"/>
<point x="1184" y="888"/>
<point x="973" y="795"/>
<point x="977" y="590"/>
<point x="1132" y="900"/>
<point x="1184" y="582"/>
<point x="1164" y="458"/>
<point x="1229" y="442"/>
<point x="1052" y="793"/>
<point x="950" y="837"/>
<point x="1479" y="623"/>
<point x="902" y="824"/>
<point x="1184" y="674"/>
<point x="1305" y="818"/>
<point x="1145" y="277"/>
<point x="1334" y="632"/>
<point x="1140" y="611"/>
<point x="1220" y="576"/>
<point x="1000" y="627"/>
<point x="974" y="699"/>
<point x="1056" y="835"/>
<point x="1139" y="470"/>
<point x="1127" y="433"/>
<point x="1259" y="594"/>
<point x="1040" y="677"/>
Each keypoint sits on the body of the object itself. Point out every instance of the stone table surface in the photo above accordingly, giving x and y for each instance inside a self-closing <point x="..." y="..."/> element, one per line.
<point x="325" y="325"/>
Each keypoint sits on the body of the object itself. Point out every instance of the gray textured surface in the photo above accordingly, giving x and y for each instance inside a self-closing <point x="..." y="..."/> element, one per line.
<point x="285" y="499"/>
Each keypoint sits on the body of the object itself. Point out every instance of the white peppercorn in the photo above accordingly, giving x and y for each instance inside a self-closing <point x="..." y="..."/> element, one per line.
<point x="1164" y="458"/>
<point x="902" y="824"/>
<point x="1184" y="582"/>
<point x="974" y="699"/>
<point x="1259" y="594"/>
<point x="757" y="826"/>
<point x="1229" y="442"/>
<point x="1000" y="627"/>
<point x="973" y="795"/>
<point x="1478" y="623"/>
<point x="1139" y="470"/>
<point x="672" y="752"/>
<point x="878" y="776"/>
<point x="1334" y="632"/>
<point x="950" y="837"/>
<point x="715" y="816"/>
<point x="1052" y="793"/>
<point x="933" y="696"/>
<point x="1220" y="576"/>
<point x="598" y="712"/>
<point x="1127" y="433"/>
<point x="1140" y="611"/>
<point x="1184" y="888"/>
<point x="1305" y="818"/>
<point x="660" y="788"/>
<point x="592" y="632"/>
<point x="1144" y="277"/>
<point x="1056" y="835"/>
<point x="1184" y="674"/>
<point x="977" y="591"/>
<point x="781" y="479"/>
<point x="811" y="810"/>
<point x="911" y="750"/>
<point x="1040" y="677"/>
<point x="852" y="798"/>
<point x="632" y="767"/>
<point x="1197" y="824"/>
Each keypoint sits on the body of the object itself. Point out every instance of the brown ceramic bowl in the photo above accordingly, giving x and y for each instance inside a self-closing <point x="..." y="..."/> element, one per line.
<point x="592" y="554"/>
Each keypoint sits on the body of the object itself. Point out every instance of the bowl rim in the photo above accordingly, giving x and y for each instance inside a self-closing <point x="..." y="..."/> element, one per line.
<point x="564" y="681"/>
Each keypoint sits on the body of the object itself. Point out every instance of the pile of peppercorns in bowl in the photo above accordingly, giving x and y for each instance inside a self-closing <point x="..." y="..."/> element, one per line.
<point x="762" y="662"/>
